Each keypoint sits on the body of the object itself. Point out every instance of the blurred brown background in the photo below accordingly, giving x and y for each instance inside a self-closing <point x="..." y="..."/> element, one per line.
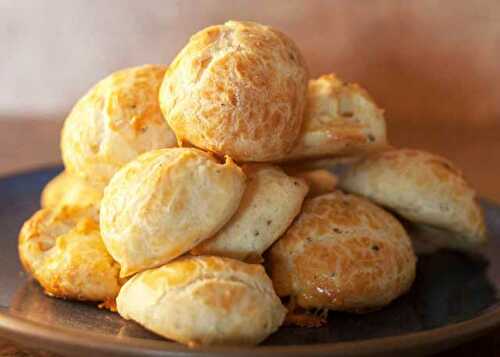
<point x="433" y="65"/>
<point x="422" y="60"/>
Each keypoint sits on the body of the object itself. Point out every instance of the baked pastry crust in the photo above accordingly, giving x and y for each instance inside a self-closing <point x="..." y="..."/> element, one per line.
<point x="320" y="181"/>
<point x="63" y="250"/>
<point x="423" y="188"/>
<point x="204" y="301"/>
<point x="342" y="253"/>
<point x="271" y="201"/>
<point x="237" y="89"/>
<point x="166" y="202"/>
<point x="118" y="119"/>
<point x="340" y="120"/>
<point x="66" y="189"/>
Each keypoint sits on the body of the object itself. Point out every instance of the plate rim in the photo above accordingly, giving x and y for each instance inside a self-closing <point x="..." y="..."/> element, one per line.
<point x="32" y="333"/>
<point x="21" y="329"/>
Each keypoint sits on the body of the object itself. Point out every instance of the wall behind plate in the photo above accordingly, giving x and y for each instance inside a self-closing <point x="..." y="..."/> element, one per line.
<point x="421" y="60"/>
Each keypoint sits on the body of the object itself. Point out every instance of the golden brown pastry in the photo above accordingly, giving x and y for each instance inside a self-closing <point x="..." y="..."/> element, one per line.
<point x="342" y="253"/>
<point x="340" y="120"/>
<point x="204" y="301"/>
<point x="237" y="89"/>
<point x="320" y="181"/>
<point x="271" y="201"/>
<point x="118" y="119"/>
<point x="62" y="248"/>
<point x="423" y="188"/>
<point x="166" y="202"/>
<point x="66" y="189"/>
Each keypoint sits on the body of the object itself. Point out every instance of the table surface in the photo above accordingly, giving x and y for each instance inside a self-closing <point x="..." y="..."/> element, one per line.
<point x="475" y="148"/>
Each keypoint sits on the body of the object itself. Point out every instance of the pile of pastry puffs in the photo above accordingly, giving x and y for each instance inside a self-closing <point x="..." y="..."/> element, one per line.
<point x="188" y="203"/>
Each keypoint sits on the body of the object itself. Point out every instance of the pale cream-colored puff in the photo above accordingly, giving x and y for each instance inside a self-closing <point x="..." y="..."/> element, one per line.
<point x="118" y="119"/>
<point x="340" y="120"/>
<point x="237" y="89"/>
<point x="63" y="250"/>
<point x="271" y="201"/>
<point x="66" y="189"/>
<point x="423" y="188"/>
<point x="342" y="253"/>
<point x="204" y="301"/>
<point x="166" y="202"/>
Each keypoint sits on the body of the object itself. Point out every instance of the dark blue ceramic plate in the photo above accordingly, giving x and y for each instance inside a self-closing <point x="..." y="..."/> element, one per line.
<point x="454" y="298"/>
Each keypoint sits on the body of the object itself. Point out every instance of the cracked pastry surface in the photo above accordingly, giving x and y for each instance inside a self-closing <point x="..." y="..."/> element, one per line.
<point x="271" y="201"/>
<point x="237" y="89"/>
<point x="115" y="121"/>
<point x="204" y="301"/>
<point x="63" y="250"/>
<point x="342" y="253"/>
<point x="164" y="203"/>
<point x="66" y="189"/>
<point x="423" y="188"/>
<point x="340" y="119"/>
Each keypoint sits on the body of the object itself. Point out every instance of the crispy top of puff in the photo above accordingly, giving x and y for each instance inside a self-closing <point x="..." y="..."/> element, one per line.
<point x="41" y="231"/>
<point x="204" y="300"/>
<point x="149" y="206"/>
<point x="320" y="181"/>
<point x="62" y="248"/>
<point x="340" y="119"/>
<point x="271" y="201"/>
<point x="343" y="253"/>
<point x="67" y="189"/>
<point x="322" y="214"/>
<point x="118" y="119"/>
<point x="184" y="271"/>
<point x="237" y="89"/>
<point x="422" y="187"/>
